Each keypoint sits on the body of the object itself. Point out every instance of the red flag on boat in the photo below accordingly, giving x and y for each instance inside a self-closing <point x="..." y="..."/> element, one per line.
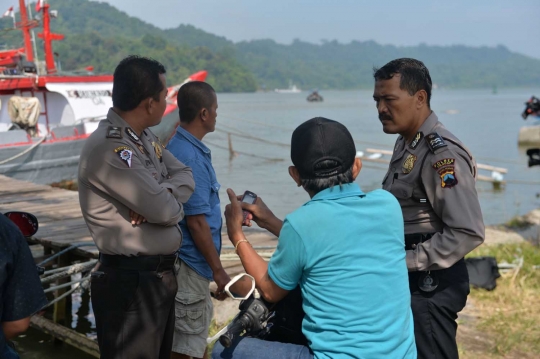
<point x="9" y="13"/>
<point x="39" y="5"/>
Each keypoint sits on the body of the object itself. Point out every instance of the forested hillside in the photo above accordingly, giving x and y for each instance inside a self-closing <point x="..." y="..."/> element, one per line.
<point x="100" y="35"/>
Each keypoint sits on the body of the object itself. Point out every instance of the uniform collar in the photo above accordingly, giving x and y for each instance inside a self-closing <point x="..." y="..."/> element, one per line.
<point x="336" y="192"/>
<point x="194" y="140"/>
<point x="115" y="119"/>
<point x="425" y="129"/>
<point x="429" y="124"/>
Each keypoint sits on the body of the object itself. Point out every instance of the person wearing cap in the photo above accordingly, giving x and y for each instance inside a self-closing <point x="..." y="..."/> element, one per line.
<point x="344" y="248"/>
<point x="432" y="175"/>
<point x="131" y="191"/>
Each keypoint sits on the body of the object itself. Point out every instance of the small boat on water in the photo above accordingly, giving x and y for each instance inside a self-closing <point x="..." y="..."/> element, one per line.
<point x="292" y="89"/>
<point x="315" y="97"/>
<point x="47" y="115"/>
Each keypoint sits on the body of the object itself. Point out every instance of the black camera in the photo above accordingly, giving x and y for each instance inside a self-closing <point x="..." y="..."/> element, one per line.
<point x="276" y="322"/>
<point x="252" y="320"/>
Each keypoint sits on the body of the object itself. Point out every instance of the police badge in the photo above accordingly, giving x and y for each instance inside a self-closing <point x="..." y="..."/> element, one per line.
<point x="158" y="150"/>
<point x="408" y="165"/>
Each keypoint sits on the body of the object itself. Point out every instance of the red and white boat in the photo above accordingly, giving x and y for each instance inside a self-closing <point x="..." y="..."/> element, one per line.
<point x="46" y="115"/>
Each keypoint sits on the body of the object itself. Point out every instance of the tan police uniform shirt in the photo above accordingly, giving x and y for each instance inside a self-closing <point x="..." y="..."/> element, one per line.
<point x="433" y="178"/>
<point x="119" y="172"/>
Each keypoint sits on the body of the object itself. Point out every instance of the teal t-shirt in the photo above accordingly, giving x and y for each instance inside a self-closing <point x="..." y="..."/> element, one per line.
<point x="345" y="249"/>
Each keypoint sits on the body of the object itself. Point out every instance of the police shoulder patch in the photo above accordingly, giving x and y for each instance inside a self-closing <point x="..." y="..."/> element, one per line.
<point x="114" y="132"/>
<point x="447" y="172"/>
<point x="445" y="162"/>
<point x="448" y="177"/>
<point x="416" y="140"/>
<point x="435" y="141"/>
<point x="125" y="153"/>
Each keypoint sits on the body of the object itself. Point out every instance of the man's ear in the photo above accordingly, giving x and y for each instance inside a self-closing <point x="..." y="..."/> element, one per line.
<point x="293" y="172"/>
<point x="149" y="105"/>
<point x="203" y="114"/>
<point x="357" y="167"/>
<point x="421" y="98"/>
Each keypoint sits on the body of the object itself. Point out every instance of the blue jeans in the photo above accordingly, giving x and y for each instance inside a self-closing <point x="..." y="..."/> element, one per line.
<point x="250" y="348"/>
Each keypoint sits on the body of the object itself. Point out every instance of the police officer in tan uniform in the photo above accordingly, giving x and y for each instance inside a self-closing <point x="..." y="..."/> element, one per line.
<point x="432" y="174"/>
<point x="131" y="192"/>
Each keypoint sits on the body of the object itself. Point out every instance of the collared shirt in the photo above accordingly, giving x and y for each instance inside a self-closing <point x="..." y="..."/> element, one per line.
<point x="205" y="200"/>
<point x="345" y="250"/>
<point x="437" y="193"/>
<point x="120" y="171"/>
<point x="21" y="293"/>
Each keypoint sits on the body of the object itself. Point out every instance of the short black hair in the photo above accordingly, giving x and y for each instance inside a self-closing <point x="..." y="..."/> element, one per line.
<point x="193" y="97"/>
<point x="316" y="185"/>
<point x="136" y="78"/>
<point x="414" y="75"/>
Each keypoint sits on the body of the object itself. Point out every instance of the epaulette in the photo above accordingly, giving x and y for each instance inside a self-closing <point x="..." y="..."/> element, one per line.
<point x="435" y="141"/>
<point x="114" y="132"/>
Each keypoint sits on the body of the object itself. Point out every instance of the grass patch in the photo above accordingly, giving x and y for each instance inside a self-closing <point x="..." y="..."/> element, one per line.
<point x="510" y="314"/>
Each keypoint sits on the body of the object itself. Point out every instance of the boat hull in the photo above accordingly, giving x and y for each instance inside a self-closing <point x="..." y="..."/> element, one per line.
<point x="54" y="161"/>
<point x="45" y="164"/>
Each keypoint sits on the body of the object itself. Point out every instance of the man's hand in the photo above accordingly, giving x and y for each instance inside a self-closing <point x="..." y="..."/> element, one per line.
<point x="221" y="278"/>
<point x="258" y="212"/>
<point x="136" y="218"/>
<point x="233" y="216"/>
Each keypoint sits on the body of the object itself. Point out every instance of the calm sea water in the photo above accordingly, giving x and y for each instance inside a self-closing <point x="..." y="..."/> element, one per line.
<point x="487" y="123"/>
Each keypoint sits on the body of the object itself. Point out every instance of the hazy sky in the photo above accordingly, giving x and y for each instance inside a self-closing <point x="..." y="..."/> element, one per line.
<point x="513" y="23"/>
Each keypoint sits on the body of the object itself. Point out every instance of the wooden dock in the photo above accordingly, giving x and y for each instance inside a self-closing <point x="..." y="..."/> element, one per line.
<point x="61" y="225"/>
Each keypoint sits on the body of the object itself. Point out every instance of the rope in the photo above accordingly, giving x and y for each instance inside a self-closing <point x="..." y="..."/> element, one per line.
<point x="75" y="287"/>
<point x="80" y="267"/>
<point x="497" y="160"/>
<point x="245" y="153"/>
<point x="24" y="152"/>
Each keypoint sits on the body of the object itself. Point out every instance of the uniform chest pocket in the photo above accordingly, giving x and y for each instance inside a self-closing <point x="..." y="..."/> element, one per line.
<point x="401" y="189"/>
<point x="151" y="168"/>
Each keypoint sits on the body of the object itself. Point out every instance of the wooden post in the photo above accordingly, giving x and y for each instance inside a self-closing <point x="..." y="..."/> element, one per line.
<point x="232" y="154"/>
<point x="61" y="308"/>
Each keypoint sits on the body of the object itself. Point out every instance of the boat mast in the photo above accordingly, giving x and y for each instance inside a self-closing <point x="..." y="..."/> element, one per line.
<point x="25" y="27"/>
<point x="48" y="38"/>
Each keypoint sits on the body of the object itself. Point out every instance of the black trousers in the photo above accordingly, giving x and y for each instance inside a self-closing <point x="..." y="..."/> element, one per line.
<point x="134" y="313"/>
<point x="435" y="313"/>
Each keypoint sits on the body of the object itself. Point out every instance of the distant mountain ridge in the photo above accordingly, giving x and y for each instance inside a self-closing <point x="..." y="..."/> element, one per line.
<point x="99" y="34"/>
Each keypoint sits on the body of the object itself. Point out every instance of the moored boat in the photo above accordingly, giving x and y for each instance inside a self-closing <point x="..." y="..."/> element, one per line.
<point x="46" y="115"/>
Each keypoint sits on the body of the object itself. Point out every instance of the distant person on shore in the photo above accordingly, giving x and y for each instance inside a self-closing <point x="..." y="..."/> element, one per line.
<point x="21" y="293"/>
<point x="131" y="192"/>
<point x="432" y="175"/>
<point x="344" y="248"/>
<point x="199" y="254"/>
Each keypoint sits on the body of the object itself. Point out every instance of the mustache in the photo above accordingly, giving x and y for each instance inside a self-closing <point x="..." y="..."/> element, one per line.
<point x="383" y="116"/>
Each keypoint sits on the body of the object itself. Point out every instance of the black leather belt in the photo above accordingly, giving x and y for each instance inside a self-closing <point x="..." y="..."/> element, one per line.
<point x="157" y="263"/>
<point x="412" y="240"/>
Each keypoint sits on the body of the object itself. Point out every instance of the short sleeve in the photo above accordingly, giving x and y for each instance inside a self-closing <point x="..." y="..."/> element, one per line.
<point x="288" y="261"/>
<point x="23" y="294"/>
<point x="199" y="202"/>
